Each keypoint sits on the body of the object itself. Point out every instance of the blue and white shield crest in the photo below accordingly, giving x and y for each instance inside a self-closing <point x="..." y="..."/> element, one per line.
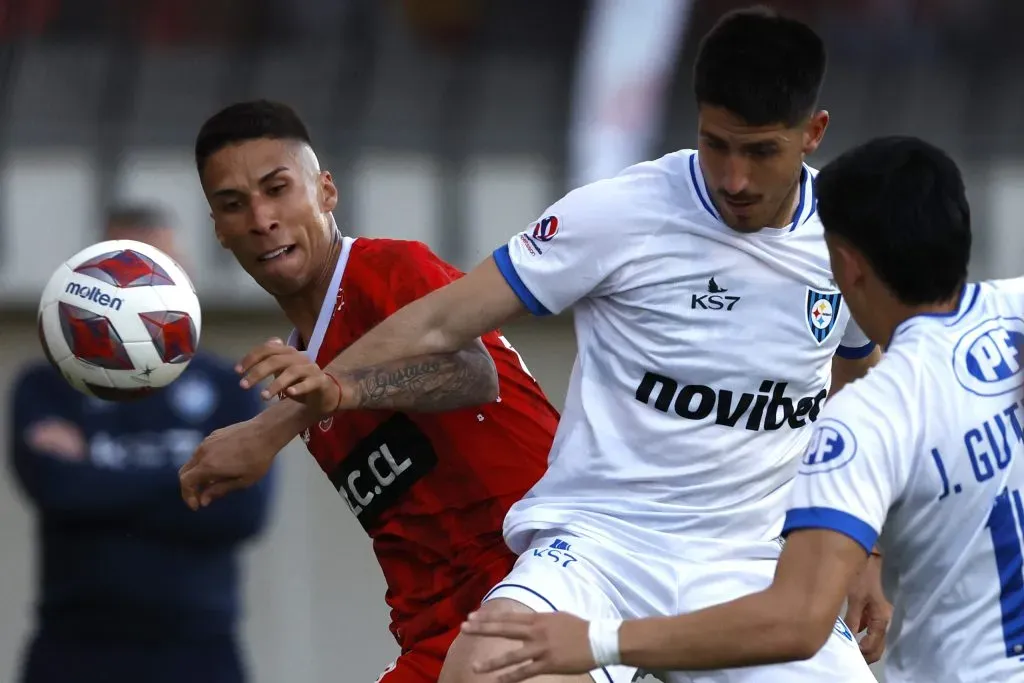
<point x="822" y="312"/>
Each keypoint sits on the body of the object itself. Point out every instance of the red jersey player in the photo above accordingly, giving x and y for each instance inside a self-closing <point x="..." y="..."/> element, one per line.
<point x="433" y="456"/>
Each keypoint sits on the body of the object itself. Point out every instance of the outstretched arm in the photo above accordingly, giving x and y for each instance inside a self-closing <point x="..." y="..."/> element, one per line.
<point x="790" y="620"/>
<point x="426" y="357"/>
<point x="412" y="346"/>
<point x="425" y="384"/>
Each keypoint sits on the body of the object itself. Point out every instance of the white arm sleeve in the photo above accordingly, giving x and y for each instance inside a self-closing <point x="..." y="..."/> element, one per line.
<point x="856" y="465"/>
<point x="575" y="249"/>
<point x="854" y="344"/>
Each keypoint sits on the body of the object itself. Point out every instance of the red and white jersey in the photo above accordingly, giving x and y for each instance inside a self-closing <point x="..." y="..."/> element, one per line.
<point x="431" y="489"/>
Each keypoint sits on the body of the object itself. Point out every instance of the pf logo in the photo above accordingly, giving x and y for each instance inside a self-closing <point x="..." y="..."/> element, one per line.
<point x="832" y="446"/>
<point x="545" y="229"/>
<point x="987" y="359"/>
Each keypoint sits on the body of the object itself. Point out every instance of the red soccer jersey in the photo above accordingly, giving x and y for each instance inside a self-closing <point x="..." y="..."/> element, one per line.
<point x="431" y="489"/>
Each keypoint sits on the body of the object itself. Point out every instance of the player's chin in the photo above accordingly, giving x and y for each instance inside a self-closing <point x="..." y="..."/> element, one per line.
<point x="281" y="280"/>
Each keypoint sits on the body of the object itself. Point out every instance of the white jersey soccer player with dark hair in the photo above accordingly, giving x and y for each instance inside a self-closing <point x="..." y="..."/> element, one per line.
<point x="926" y="451"/>
<point x="709" y="331"/>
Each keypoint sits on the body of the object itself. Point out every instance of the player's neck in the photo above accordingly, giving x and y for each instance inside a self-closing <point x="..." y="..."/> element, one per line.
<point x="897" y="313"/>
<point x="303" y="308"/>
<point x="788" y="208"/>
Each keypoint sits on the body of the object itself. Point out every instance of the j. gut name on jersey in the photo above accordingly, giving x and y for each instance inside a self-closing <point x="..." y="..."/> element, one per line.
<point x="768" y="409"/>
<point x="989" y="447"/>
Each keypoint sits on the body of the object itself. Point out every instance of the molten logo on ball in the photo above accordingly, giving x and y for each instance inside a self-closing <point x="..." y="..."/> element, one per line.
<point x="119" y="320"/>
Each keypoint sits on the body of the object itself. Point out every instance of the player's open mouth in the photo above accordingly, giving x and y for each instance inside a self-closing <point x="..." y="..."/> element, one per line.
<point x="271" y="255"/>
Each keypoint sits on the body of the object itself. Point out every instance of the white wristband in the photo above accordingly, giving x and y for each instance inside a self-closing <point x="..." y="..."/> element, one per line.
<point x="604" y="641"/>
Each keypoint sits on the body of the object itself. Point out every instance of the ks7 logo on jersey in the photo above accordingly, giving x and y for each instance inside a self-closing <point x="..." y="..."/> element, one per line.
<point x="715" y="300"/>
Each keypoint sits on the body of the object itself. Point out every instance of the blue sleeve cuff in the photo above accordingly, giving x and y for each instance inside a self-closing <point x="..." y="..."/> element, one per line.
<point x="855" y="353"/>
<point x="508" y="271"/>
<point x="834" y="520"/>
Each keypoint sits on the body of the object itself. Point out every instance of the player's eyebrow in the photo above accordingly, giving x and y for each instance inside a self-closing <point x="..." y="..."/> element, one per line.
<point x="230" y="191"/>
<point x="760" y="145"/>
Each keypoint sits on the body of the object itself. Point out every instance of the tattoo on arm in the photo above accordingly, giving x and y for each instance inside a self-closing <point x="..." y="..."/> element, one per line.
<point x="434" y="383"/>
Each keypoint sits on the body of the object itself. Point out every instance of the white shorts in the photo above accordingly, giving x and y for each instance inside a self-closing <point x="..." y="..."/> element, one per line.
<point x="593" y="579"/>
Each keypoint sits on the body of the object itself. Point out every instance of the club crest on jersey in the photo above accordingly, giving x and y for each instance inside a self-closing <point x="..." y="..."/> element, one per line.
<point x="822" y="309"/>
<point x="546" y="228"/>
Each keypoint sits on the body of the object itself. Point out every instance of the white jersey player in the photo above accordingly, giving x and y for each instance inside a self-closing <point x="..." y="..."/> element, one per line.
<point x="925" y="450"/>
<point x="710" y="332"/>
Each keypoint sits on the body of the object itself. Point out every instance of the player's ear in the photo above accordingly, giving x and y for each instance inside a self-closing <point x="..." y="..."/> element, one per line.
<point x="852" y="264"/>
<point x="328" y="192"/>
<point x="814" y="131"/>
<point x="220" y="236"/>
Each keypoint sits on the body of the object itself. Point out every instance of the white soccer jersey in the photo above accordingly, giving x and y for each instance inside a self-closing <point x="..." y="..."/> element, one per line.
<point x="930" y="445"/>
<point x="702" y="355"/>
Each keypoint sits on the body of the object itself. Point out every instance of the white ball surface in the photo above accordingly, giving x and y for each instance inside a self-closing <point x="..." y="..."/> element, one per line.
<point x="119" y="319"/>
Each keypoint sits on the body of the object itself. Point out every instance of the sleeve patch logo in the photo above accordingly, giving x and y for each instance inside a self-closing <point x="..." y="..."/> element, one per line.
<point x="546" y="228"/>
<point x="832" y="446"/>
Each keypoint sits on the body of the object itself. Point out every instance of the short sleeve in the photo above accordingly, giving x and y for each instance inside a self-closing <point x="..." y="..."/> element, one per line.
<point x="854" y="344"/>
<point x="575" y="248"/>
<point x="853" y="469"/>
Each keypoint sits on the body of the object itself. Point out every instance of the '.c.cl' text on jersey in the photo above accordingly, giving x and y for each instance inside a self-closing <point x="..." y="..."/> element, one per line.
<point x="431" y="489"/>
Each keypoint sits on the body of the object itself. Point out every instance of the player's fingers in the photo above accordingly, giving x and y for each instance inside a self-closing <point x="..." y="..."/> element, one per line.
<point x="219" y="490"/>
<point x="289" y="379"/>
<point x="270" y="366"/>
<point x="307" y="385"/>
<point x="190" y="483"/>
<point x="257" y="354"/>
<point x="505" y="660"/>
<point x="855" y="614"/>
<point x="190" y="497"/>
<point x="873" y="644"/>
<point x="497" y="629"/>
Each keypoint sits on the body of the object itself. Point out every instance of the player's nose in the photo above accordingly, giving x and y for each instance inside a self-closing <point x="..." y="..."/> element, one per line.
<point x="735" y="177"/>
<point x="264" y="218"/>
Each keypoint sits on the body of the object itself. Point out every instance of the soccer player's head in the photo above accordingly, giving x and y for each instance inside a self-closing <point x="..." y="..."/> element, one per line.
<point x="270" y="202"/>
<point x="898" y="227"/>
<point x="145" y="223"/>
<point x="756" y="79"/>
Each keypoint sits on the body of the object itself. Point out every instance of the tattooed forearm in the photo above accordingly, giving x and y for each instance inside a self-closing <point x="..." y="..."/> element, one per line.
<point x="434" y="383"/>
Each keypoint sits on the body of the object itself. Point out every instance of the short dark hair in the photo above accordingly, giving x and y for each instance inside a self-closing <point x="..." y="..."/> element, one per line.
<point x="246" y="121"/>
<point x="760" y="66"/>
<point x="901" y="202"/>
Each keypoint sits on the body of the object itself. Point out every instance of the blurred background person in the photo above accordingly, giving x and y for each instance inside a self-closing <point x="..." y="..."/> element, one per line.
<point x="132" y="585"/>
<point x="445" y="121"/>
<point x="626" y="61"/>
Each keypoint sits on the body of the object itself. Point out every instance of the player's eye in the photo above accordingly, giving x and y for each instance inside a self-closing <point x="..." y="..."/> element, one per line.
<point x="275" y="190"/>
<point x="715" y="144"/>
<point x="762" y="152"/>
<point x="231" y="206"/>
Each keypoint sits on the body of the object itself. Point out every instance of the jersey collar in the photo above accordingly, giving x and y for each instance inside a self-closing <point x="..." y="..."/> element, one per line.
<point x="968" y="297"/>
<point x="807" y="204"/>
<point x="328" y="306"/>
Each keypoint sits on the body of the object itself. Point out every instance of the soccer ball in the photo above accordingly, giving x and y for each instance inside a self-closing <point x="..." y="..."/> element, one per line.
<point x="119" y="319"/>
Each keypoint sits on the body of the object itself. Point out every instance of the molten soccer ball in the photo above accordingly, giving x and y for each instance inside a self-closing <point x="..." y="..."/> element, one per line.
<point x="119" y="319"/>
